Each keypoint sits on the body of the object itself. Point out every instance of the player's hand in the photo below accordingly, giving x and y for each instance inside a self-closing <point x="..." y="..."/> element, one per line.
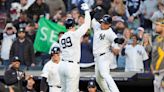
<point x="85" y="7"/>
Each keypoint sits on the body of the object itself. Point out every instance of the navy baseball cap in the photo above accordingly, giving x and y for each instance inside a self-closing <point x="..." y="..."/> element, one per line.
<point x="15" y="58"/>
<point x="21" y="30"/>
<point x="55" y="50"/>
<point x="91" y="84"/>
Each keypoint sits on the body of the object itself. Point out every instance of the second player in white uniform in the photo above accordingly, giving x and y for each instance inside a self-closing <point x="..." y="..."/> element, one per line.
<point x="104" y="37"/>
<point x="69" y="69"/>
<point x="50" y="74"/>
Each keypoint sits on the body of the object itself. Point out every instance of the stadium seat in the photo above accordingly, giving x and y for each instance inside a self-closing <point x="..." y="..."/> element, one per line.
<point x="2" y="67"/>
<point x="36" y="68"/>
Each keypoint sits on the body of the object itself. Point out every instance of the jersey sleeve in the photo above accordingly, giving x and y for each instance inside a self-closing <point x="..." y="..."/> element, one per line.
<point x="115" y="45"/>
<point x="95" y="24"/>
<point x="111" y="35"/>
<point x="84" y="27"/>
<point x="45" y="71"/>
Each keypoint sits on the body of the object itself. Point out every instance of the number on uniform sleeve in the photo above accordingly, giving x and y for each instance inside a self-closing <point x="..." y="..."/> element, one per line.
<point x="66" y="42"/>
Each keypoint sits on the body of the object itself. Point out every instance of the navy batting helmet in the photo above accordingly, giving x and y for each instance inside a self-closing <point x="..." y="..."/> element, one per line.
<point x="55" y="50"/>
<point x="106" y="19"/>
<point x="69" y="23"/>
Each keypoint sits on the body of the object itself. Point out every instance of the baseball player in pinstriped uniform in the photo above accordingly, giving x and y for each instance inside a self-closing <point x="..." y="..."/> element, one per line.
<point x="50" y="75"/>
<point x="103" y="39"/>
<point x="69" y="69"/>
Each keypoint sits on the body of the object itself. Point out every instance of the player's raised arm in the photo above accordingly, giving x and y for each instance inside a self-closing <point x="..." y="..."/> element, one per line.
<point x="95" y="24"/>
<point x="87" y="22"/>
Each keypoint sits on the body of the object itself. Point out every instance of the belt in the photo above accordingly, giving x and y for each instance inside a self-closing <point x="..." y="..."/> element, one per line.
<point x="70" y="61"/>
<point x="55" y="86"/>
<point x="102" y="54"/>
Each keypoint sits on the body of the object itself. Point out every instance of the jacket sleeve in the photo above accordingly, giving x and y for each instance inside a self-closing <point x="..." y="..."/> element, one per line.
<point x="9" y="78"/>
<point x="12" y="50"/>
<point x="43" y="84"/>
<point x="32" y="55"/>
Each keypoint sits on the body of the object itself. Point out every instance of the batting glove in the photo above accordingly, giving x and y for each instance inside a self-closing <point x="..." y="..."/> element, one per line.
<point x="84" y="7"/>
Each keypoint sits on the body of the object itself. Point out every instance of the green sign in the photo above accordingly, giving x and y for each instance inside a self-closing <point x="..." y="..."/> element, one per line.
<point x="47" y="33"/>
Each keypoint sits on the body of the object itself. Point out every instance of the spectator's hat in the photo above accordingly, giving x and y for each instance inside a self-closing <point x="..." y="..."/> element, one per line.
<point x="160" y="22"/>
<point x="119" y="19"/>
<point x="9" y="26"/>
<point x="21" y="30"/>
<point x="140" y="29"/>
<point x="91" y="84"/>
<point x="15" y="59"/>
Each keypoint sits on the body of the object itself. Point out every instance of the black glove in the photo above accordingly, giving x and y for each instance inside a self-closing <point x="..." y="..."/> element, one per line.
<point x="119" y="40"/>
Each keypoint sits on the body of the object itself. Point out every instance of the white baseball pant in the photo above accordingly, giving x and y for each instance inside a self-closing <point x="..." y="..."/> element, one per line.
<point x="54" y="89"/>
<point x="69" y="76"/>
<point x="103" y="78"/>
<point x="157" y="83"/>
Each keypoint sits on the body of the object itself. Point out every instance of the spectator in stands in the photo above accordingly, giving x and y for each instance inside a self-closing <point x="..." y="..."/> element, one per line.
<point x="135" y="55"/>
<point x="159" y="13"/>
<point x="75" y="14"/>
<point x="24" y="5"/>
<point x="31" y="31"/>
<point x="117" y="9"/>
<point x="119" y="25"/>
<point x="15" y="11"/>
<point x="87" y="59"/>
<point x="132" y="12"/>
<point x="80" y="20"/>
<point x="55" y="5"/>
<point x="14" y="77"/>
<point x="59" y="16"/>
<point x="4" y="9"/>
<point x="9" y="35"/>
<point x="147" y="43"/>
<point x="140" y="31"/>
<point x="30" y="84"/>
<point x="127" y="35"/>
<point x="121" y="58"/>
<point x="23" y="48"/>
<point x="148" y="9"/>
<point x="92" y="86"/>
<point x="22" y="21"/>
<point x="38" y="9"/>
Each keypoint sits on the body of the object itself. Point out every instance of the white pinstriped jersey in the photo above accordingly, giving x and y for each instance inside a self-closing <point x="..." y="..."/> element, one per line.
<point x="70" y="41"/>
<point x="50" y="71"/>
<point x="103" y="39"/>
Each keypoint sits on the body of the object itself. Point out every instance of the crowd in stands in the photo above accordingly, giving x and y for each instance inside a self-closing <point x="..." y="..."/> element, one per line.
<point x="132" y="19"/>
<point x="19" y="24"/>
